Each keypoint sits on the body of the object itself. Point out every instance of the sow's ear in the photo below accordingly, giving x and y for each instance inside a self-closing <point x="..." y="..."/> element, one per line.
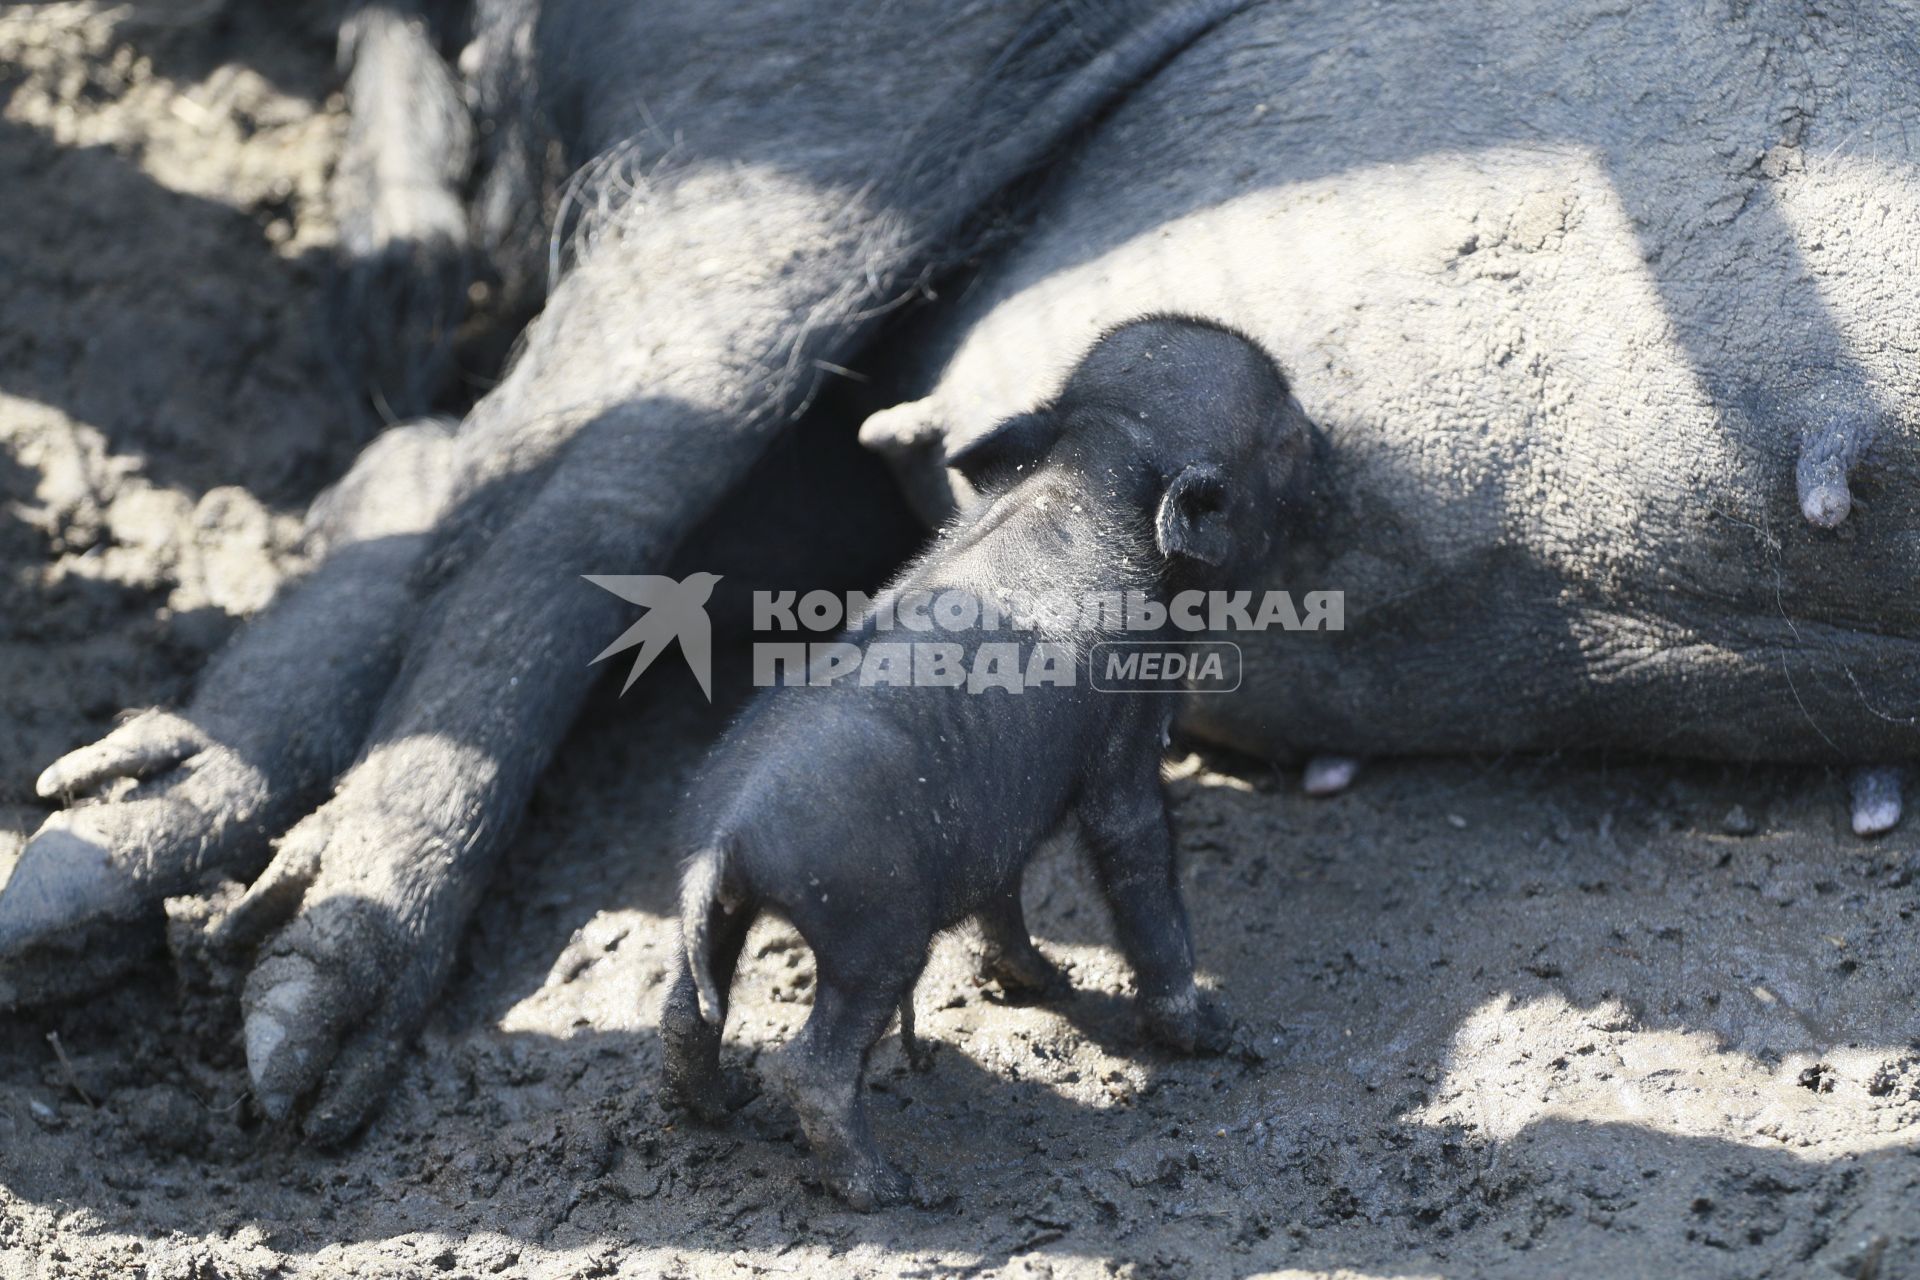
<point x="1002" y="454"/>
<point x="1193" y="519"/>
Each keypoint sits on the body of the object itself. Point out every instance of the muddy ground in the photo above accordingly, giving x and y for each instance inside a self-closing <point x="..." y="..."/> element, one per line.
<point x="1514" y="1017"/>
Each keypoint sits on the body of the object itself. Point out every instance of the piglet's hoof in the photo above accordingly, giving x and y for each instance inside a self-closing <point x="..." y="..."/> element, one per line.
<point x="712" y="1101"/>
<point x="919" y="1054"/>
<point x="1191" y="1022"/>
<point x="1025" y="978"/>
<point x="869" y="1185"/>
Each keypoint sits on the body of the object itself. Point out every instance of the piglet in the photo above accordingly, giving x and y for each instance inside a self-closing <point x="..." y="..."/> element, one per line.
<point x="874" y="814"/>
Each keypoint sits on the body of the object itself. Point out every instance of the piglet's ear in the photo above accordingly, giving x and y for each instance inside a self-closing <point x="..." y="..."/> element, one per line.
<point x="1193" y="520"/>
<point x="1008" y="451"/>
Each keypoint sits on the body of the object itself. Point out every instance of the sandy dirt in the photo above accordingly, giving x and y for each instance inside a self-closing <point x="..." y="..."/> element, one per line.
<point x="1513" y="1018"/>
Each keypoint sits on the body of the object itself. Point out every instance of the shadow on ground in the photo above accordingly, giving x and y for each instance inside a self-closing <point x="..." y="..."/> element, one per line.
<point x="1517" y="1019"/>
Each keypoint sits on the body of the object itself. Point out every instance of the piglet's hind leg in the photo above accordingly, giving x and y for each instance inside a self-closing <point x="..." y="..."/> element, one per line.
<point x="692" y="1043"/>
<point x="919" y="1053"/>
<point x="1009" y="957"/>
<point x="824" y="1068"/>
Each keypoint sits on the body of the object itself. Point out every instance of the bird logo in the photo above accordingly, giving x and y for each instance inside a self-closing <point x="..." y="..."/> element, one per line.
<point x="675" y="611"/>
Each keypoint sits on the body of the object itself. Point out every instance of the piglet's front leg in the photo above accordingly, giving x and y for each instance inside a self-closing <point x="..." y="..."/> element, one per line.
<point x="1132" y="847"/>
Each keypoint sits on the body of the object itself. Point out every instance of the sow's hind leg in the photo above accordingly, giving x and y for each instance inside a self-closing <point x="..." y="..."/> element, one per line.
<point x="399" y="289"/>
